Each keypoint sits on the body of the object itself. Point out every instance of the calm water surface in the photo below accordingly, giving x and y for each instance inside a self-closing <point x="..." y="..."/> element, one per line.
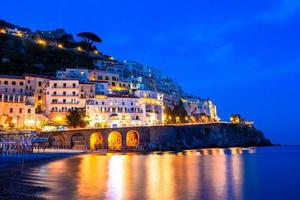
<point x="255" y="173"/>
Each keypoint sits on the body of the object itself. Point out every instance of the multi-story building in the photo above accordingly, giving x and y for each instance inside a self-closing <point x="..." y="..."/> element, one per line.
<point x="35" y="85"/>
<point x="195" y="106"/>
<point x="55" y="34"/>
<point x="14" y="85"/>
<point x="111" y="78"/>
<point x="168" y="86"/>
<point x="115" y="94"/>
<point x="152" y="105"/>
<point x="115" y="111"/>
<point x="210" y="109"/>
<point x="82" y="75"/>
<point x="62" y="96"/>
<point x="101" y="87"/>
<point x="17" y="111"/>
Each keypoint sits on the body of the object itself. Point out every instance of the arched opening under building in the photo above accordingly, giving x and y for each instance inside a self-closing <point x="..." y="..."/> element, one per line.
<point x="57" y="140"/>
<point x="78" y="141"/>
<point x="115" y="141"/>
<point x="96" y="141"/>
<point x="132" y="139"/>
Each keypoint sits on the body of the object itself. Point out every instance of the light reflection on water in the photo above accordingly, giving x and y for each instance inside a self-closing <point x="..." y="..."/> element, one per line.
<point x="193" y="174"/>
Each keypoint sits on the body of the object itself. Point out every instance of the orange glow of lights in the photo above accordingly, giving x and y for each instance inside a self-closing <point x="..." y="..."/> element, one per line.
<point x="132" y="139"/>
<point x="115" y="141"/>
<point x="96" y="141"/>
<point x="60" y="46"/>
<point x="41" y="42"/>
<point x="2" y="30"/>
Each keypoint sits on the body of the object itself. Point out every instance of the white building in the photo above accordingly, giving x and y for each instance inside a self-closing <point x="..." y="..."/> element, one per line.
<point x="152" y="105"/>
<point x="195" y="106"/>
<point x="114" y="111"/>
<point x="82" y="75"/>
<point x="144" y="108"/>
<point x="101" y="87"/>
<point x="62" y="96"/>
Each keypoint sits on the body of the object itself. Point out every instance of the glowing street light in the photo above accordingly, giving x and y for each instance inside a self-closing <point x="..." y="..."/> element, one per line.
<point x="41" y="42"/>
<point x="60" y="46"/>
<point x="19" y="34"/>
<point x="2" y="30"/>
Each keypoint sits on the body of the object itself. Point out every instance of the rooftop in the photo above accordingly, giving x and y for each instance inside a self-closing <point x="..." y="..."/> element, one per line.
<point x="12" y="76"/>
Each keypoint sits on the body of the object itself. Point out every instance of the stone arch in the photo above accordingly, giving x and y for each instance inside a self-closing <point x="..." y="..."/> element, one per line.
<point x="57" y="140"/>
<point x="114" y="140"/>
<point x="132" y="138"/>
<point x="96" y="141"/>
<point x="78" y="141"/>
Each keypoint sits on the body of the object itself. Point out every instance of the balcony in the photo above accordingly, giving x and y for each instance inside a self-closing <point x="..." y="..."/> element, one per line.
<point x="64" y="87"/>
<point x="65" y="103"/>
<point x="64" y="95"/>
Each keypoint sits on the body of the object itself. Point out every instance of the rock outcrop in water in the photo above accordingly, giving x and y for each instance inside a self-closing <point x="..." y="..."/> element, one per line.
<point x="210" y="135"/>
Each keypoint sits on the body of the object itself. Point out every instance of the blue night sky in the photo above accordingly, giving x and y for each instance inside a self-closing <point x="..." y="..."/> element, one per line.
<point x="244" y="55"/>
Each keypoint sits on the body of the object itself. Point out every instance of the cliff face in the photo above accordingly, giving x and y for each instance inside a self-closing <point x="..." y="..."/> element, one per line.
<point x="210" y="135"/>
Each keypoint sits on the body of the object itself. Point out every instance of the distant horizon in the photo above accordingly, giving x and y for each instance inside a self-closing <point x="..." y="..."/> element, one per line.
<point x="243" y="55"/>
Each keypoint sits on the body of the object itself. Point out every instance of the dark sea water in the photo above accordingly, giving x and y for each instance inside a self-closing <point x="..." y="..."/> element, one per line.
<point x="268" y="173"/>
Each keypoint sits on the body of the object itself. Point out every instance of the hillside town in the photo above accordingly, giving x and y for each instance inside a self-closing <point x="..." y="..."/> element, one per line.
<point x="107" y="99"/>
<point x="109" y="93"/>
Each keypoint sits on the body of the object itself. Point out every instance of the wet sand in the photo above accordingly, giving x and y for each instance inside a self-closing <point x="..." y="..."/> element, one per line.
<point x="12" y="180"/>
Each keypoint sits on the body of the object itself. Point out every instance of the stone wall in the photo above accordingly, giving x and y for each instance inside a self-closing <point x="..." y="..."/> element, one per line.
<point x="176" y="137"/>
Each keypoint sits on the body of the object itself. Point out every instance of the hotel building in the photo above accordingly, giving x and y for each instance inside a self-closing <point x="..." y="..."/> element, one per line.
<point x="62" y="96"/>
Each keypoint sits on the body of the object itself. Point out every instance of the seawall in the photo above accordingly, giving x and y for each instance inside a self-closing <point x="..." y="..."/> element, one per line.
<point x="170" y="137"/>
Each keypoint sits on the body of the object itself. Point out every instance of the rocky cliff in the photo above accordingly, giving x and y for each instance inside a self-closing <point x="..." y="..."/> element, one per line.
<point x="208" y="135"/>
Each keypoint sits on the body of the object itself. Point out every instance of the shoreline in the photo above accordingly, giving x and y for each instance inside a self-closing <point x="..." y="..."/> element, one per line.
<point x="15" y="161"/>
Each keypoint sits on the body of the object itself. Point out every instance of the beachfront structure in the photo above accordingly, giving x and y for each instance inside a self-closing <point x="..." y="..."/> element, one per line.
<point x="114" y="111"/>
<point x="28" y="85"/>
<point x="18" y="111"/>
<point x="142" y="108"/>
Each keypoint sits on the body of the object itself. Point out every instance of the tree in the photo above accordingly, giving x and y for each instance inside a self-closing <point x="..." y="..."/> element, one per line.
<point x="180" y="112"/>
<point x="90" y="37"/>
<point x="176" y="115"/>
<point x="76" y="118"/>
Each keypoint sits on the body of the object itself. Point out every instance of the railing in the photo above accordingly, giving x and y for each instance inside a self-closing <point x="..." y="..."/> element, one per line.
<point x="144" y="125"/>
<point x="65" y="95"/>
<point x="64" y="87"/>
<point x="64" y="102"/>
